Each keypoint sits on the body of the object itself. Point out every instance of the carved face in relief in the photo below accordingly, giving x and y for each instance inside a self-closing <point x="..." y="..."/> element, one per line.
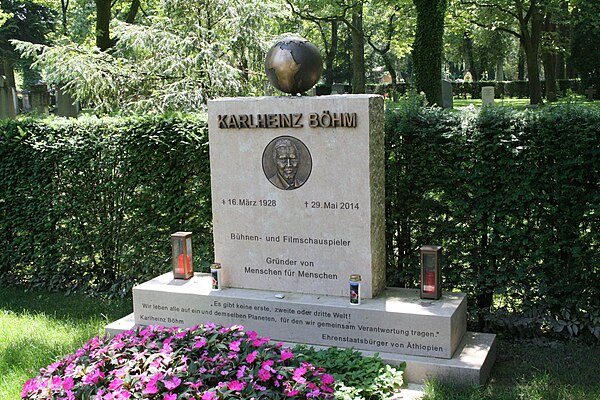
<point x="287" y="159"/>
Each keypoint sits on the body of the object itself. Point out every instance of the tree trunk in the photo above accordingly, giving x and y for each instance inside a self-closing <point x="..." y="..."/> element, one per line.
<point x="521" y="65"/>
<point x="500" y="69"/>
<point x="358" y="52"/>
<point x="103" y="40"/>
<point x="330" y="59"/>
<point x="133" y="9"/>
<point x="64" y="7"/>
<point x="549" y="58"/>
<point x="469" y="58"/>
<point x="428" y="47"/>
<point x="530" y="41"/>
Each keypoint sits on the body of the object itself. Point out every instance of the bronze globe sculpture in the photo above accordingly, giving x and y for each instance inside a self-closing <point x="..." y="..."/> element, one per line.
<point x="293" y="65"/>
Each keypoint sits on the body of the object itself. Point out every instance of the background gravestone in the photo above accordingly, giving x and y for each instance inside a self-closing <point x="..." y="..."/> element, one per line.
<point x="487" y="96"/>
<point x="8" y="107"/>
<point x="39" y="99"/>
<point x="447" y="96"/>
<point x="66" y="106"/>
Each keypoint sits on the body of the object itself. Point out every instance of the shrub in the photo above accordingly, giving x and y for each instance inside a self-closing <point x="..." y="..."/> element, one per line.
<point x="206" y="362"/>
<point x="88" y="205"/>
<point x="356" y="377"/>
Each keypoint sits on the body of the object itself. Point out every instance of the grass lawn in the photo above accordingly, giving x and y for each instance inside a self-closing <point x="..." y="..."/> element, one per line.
<point x="36" y="328"/>
<point x="514" y="103"/>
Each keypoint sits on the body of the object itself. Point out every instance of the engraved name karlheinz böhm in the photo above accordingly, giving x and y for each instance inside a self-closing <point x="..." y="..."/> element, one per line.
<point x="325" y="119"/>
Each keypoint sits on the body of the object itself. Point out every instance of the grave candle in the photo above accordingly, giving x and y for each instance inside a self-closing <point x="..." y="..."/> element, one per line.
<point x="182" y="255"/>
<point x="431" y="258"/>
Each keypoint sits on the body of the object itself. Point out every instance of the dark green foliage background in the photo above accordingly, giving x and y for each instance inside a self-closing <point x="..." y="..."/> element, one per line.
<point x="513" y="197"/>
<point x="89" y="205"/>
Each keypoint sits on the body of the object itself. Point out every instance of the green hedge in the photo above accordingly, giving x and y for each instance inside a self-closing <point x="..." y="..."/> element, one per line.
<point x="89" y="205"/>
<point x="513" y="197"/>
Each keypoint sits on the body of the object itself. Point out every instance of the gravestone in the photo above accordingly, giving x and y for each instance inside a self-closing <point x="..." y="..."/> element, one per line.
<point x="8" y="107"/>
<point x="297" y="186"/>
<point x="447" y="96"/>
<point x="590" y="93"/>
<point x="65" y="105"/>
<point x="297" y="192"/>
<point x="39" y="99"/>
<point x="26" y="102"/>
<point x="337" y="143"/>
<point x="487" y="96"/>
<point x="338" y="88"/>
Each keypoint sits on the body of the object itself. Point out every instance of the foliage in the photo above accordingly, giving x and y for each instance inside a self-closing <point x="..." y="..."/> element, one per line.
<point x="512" y="197"/>
<point x="585" y="36"/>
<point x="428" y="46"/>
<point x="356" y="377"/>
<point x="88" y="205"/>
<point x="182" y="55"/>
<point x="205" y="362"/>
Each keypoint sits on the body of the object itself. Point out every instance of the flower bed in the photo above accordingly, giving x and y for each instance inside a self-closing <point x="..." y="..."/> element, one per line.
<point x="207" y="362"/>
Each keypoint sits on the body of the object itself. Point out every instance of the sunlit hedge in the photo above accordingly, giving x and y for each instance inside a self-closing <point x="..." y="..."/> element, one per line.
<point x="89" y="204"/>
<point x="514" y="198"/>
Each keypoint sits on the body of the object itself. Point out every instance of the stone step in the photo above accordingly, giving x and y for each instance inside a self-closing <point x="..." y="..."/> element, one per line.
<point x="471" y="365"/>
<point x="397" y="321"/>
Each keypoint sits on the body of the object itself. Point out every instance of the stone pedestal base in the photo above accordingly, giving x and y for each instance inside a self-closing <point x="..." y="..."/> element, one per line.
<point x="430" y="336"/>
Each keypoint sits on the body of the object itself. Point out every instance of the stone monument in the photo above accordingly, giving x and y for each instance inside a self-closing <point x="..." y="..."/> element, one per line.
<point x="8" y="104"/>
<point x="298" y="208"/>
<point x="487" y="96"/>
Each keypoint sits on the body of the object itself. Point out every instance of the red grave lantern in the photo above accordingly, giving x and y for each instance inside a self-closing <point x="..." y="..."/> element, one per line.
<point x="183" y="261"/>
<point x="431" y="272"/>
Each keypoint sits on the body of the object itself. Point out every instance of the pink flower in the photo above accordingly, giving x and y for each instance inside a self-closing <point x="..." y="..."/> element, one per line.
<point x="115" y="384"/>
<point x="298" y="375"/>
<point x="68" y="383"/>
<point x="264" y="375"/>
<point x="122" y="395"/>
<point x="292" y="393"/>
<point x="170" y="396"/>
<point x="150" y="388"/>
<point x="210" y="396"/>
<point x="327" y="379"/>
<point x="200" y="343"/>
<point x="236" y="386"/>
<point x="56" y="383"/>
<point x="173" y="383"/>
<point x="251" y="357"/>
<point x="286" y="355"/>
<point x="260" y="342"/>
<point x="235" y="346"/>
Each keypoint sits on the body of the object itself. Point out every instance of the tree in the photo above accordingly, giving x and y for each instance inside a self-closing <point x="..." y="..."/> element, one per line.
<point x="349" y="13"/>
<point x="428" y="47"/>
<point x="184" y="55"/>
<point x="28" y="21"/>
<point x="524" y="20"/>
<point x="389" y="38"/>
<point x="584" y="45"/>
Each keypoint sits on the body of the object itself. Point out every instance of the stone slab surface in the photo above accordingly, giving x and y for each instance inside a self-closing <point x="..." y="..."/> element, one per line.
<point x="471" y="364"/>
<point x="311" y="235"/>
<point x="397" y="321"/>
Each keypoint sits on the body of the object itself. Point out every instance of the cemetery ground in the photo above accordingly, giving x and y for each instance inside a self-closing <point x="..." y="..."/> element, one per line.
<point x="37" y="327"/>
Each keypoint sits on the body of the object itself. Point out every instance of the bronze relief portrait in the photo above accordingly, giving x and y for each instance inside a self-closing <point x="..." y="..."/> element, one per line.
<point x="287" y="162"/>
